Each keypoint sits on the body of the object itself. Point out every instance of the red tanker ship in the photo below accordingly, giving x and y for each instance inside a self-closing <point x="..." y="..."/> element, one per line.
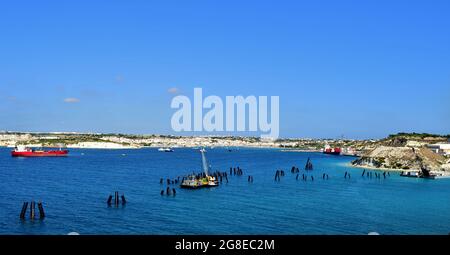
<point x="22" y="151"/>
<point x="333" y="151"/>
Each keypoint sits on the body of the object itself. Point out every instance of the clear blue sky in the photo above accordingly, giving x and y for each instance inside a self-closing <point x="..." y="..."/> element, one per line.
<point x="355" y="68"/>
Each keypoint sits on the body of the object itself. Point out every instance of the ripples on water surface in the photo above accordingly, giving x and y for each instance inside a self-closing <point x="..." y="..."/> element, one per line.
<point x="74" y="191"/>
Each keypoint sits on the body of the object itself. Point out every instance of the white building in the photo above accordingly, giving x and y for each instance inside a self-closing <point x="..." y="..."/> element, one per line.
<point x="440" y="148"/>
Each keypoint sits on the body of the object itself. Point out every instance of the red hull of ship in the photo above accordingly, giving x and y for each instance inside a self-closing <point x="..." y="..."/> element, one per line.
<point x="60" y="153"/>
<point x="335" y="151"/>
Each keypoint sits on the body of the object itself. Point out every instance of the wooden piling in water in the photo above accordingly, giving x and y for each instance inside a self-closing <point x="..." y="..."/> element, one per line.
<point x="32" y="210"/>
<point x="109" y="200"/>
<point x="41" y="211"/>
<point x="363" y="173"/>
<point x="24" y="210"/>
<point x="116" y="198"/>
<point x="124" y="201"/>
<point x="174" y="191"/>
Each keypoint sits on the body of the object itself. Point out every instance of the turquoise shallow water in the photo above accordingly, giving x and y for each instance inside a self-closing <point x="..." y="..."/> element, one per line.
<point x="74" y="191"/>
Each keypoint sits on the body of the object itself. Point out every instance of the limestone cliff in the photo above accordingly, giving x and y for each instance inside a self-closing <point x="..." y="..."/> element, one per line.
<point x="402" y="157"/>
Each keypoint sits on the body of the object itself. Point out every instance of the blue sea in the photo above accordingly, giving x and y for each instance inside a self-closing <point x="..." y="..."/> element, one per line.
<point x="74" y="191"/>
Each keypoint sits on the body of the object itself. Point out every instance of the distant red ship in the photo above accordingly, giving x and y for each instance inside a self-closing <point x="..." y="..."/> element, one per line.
<point x="332" y="151"/>
<point x="22" y="151"/>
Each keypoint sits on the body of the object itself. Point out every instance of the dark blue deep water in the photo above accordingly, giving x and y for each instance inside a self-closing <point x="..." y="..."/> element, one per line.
<point x="74" y="192"/>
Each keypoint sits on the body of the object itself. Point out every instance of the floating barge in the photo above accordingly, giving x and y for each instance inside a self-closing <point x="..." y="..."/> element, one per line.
<point x="200" y="181"/>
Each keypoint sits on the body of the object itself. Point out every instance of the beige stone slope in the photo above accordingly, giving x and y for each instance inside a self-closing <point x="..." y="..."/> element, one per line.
<point x="402" y="158"/>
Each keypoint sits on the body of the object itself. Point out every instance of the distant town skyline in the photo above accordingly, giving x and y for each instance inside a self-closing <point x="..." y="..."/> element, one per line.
<point x="354" y="69"/>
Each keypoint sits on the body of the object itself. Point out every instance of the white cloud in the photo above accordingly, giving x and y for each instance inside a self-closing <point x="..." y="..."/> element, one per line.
<point x="71" y="100"/>
<point x="173" y="90"/>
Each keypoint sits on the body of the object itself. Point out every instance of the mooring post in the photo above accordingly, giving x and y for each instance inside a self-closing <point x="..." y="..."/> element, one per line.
<point x="174" y="191"/>
<point x="24" y="210"/>
<point x="168" y="191"/>
<point x="32" y="208"/>
<point x="41" y="210"/>
<point x="162" y="192"/>
<point x="116" y="198"/>
<point x="124" y="201"/>
<point x="362" y="175"/>
<point x="109" y="200"/>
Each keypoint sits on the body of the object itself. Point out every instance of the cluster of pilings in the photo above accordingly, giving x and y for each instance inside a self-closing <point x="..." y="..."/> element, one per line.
<point x="170" y="181"/>
<point x="295" y="170"/>
<point x="278" y="175"/>
<point x="116" y="200"/>
<point x="236" y="171"/>
<point x="250" y="178"/>
<point x="221" y="176"/>
<point x="32" y="210"/>
<point x="169" y="191"/>
<point x="309" y="165"/>
<point x="347" y="174"/>
<point x="305" y="177"/>
<point x="375" y="174"/>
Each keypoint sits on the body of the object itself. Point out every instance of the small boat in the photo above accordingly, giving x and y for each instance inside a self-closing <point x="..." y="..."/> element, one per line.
<point x="165" y="149"/>
<point x="23" y="151"/>
<point x="194" y="182"/>
<point x="422" y="173"/>
<point x="414" y="174"/>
